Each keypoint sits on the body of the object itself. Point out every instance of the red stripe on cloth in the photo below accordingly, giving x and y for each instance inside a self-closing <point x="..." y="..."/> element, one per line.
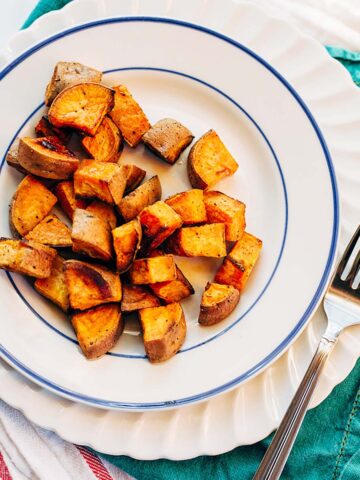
<point x="4" y="472"/>
<point x="95" y="464"/>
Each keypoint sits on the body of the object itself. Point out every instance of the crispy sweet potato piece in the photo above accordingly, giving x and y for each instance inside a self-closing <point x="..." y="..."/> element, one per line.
<point x="239" y="263"/>
<point x="106" y="144"/>
<point x="144" y="195"/>
<point x="12" y="157"/>
<point x="209" y="161"/>
<point x="98" y="329"/>
<point x="104" y="211"/>
<point x="134" y="176"/>
<point x="167" y="139"/>
<point x="202" y="241"/>
<point x="136" y="297"/>
<point x="102" y="180"/>
<point x="91" y="235"/>
<point x="26" y="257"/>
<point x="54" y="287"/>
<point x="153" y="270"/>
<point x="158" y="222"/>
<point x="67" y="74"/>
<point x="44" y="129"/>
<point x="217" y="302"/>
<point x="51" y="231"/>
<point x="82" y="106"/>
<point x="190" y="206"/>
<point x="126" y="240"/>
<point x="221" y="208"/>
<point x="164" y="331"/>
<point x="31" y="203"/>
<point x="129" y="116"/>
<point x="65" y="193"/>
<point x="47" y="157"/>
<point x="90" y="285"/>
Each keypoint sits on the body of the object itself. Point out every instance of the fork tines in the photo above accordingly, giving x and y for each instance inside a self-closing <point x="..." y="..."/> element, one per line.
<point x="345" y="259"/>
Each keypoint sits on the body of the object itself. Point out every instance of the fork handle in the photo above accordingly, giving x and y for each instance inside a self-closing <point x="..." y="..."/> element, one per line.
<point x="277" y="454"/>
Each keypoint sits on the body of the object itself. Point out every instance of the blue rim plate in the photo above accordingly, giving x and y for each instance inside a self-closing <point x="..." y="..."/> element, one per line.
<point x="272" y="163"/>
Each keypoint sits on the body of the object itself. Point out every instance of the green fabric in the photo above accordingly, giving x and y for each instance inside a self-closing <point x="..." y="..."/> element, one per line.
<point x="328" y="445"/>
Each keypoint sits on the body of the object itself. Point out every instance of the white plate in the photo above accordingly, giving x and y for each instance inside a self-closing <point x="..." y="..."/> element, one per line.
<point x="283" y="160"/>
<point x="266" y="415"/>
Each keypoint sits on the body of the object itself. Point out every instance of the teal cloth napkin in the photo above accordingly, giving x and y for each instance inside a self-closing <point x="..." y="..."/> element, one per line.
<point x="328" y="445"/>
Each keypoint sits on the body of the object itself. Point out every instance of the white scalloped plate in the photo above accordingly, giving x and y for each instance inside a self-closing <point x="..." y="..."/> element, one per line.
<point x="252" y="410"/>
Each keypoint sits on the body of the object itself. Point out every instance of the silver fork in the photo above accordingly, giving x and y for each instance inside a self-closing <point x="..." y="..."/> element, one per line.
<point x="342" y="307"/>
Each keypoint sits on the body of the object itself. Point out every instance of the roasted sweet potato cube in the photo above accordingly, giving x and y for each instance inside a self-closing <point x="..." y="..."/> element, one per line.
<point x="164" y="331"/>
<point x="167" y="139"/>
<point x="190" y="206"/>
<point x="12" y="157"/>
<point x="153" y="270"/>
<point x="90" y="285"/>
<point x="82" y="106"/>
<point x="98" y="329"/>
<point x="202" y="241"/>
<point x="54" y="287"/>
<point x="209" y="161"/>
<point x="217" y="302"/>
<point x="126" y="240"/>
<point x="173" y="290"/>
<point x="134" y="176"/>
<point x="129" y="116"/>
<point x="31" y="203"/>
<point x="144" y="195"/>
<point x="136" y="297"/>
<point x="91" y="235"/>
<point x="44" y="129"/>
<point x="67" y="74"/>
<point x="238" y="265"/>
<point x="26" y="257"/>
<point x="51" y="231"/>
<point x="106" y="144"/>
<point x="47" y="157"/>
<point x="65" y="193"/>
<point x="221" y="208"/>
<point x="158" y="222"/>
<point x="104" y="211"/>
<point x="102" y="180"/>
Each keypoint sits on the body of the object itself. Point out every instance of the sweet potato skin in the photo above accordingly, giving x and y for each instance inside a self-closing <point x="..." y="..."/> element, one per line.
<point x="65" y="194"/>
<point x="44" y="129"/>
<point x="98" y="329"/>
<point x="167" y="139"/>
<point x="201" y="241"/>
<point x="66" y="74"/>
<point x="222" y="208"/>
<point x="144" y="195"/>
<point x="218" y="301"/>
<point x="90" y="285"/>
<point x="238" y="265"/>
<point x="164" y="331"/>
<point x="158" y="222"/>
<point x="152" y="270"/>
<point x="136" y="297"/>
<point x="106" y="144"/>
<point x="100" y="180"/>
<point x="51" y="231"/>
<point x="26" y="257"/>
<point x="82" y="107"/>
<point x="31" y="203"/>
<point x="54" y="287"/>
<point x="47" y="157"/>
<point x="126" y="241"/>
<point x="134" y="176"/>
<point x="209" y="161"/>
<point x="190" y="206"/>
<point x="129" y="116"/>
<point x="12" y="157"/>
<point x="91" y="235"/>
